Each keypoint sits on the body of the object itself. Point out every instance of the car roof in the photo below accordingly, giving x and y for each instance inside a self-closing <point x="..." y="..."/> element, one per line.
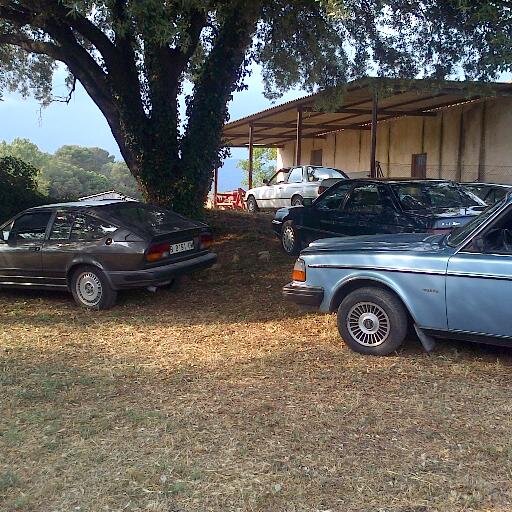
<point x="399" y="180"/>
<point x="478" y="184"/>
<point x="81" y="204"/>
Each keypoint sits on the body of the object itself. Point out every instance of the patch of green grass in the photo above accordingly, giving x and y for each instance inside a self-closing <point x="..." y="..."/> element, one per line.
<point x="8" y="480"/>
<point x="12" y="436"/>
<point x="141" y="416"/>
<point x="91" y="424"/>
<point x="44" y="390"/>
<point x="22" y="502"/>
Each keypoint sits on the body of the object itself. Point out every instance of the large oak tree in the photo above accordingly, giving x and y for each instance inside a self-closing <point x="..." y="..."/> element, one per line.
<point x="133" y="56"/>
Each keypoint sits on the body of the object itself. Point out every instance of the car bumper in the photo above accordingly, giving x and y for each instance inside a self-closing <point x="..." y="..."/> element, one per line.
<point x="159" y="275"/>
<point x="310" y="296"/>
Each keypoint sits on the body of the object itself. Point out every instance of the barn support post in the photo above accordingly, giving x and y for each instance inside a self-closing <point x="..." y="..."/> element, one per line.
<point x="482" y="153"/>
<point x="215" y="186"/>
<point x="373" y="155"/>
<point x="298" y="141"/>
<point x="251" y="156"/>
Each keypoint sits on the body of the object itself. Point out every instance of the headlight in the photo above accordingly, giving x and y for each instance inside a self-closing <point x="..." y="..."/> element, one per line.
<point x="299" y="271"/>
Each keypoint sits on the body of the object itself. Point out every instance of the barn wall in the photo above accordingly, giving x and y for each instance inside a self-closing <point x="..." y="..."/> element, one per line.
<point x="467" y="142"/>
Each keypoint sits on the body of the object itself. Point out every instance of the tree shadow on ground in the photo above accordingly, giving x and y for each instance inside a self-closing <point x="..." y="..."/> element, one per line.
<point x="316" y="418"/>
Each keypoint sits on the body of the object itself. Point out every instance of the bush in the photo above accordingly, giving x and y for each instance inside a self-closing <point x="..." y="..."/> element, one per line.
<point x="18" y="189"/>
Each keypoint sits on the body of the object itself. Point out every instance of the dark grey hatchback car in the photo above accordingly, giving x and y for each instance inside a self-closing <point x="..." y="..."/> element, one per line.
<point x="94" y="249"/>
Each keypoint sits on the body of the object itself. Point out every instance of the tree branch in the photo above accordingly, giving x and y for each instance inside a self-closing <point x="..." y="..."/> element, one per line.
<point x="181" y="56"/>
<point x="32" y="46"/>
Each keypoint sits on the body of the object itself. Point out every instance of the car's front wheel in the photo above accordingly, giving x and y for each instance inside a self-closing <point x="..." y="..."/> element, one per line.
<point x="91" y="289"/>
<point x="290" y="239"/>
<point x="372" y="321"/>
<point x="252" y="205"/>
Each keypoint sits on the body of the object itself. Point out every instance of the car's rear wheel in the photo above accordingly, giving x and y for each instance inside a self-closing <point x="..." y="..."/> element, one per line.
<point x="297" y="201"/>
<point x="290" y="239"/>
<point x="252" y="205"/>
<point x="91" y="289"/>
<point x="372" y="321"/>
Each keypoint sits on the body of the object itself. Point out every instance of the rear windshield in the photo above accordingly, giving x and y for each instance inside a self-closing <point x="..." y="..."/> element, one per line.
<point x="149" y="218"/>
<point x="427" y="196"/>
<point x="323" y="173"/>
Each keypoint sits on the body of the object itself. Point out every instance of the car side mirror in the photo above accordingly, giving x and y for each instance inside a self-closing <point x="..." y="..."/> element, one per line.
<point x="265" y="182"/>
<point x="307" y="201"/>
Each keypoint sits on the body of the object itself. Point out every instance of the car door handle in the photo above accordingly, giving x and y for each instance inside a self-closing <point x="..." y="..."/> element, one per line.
<point x="34" y="249"/>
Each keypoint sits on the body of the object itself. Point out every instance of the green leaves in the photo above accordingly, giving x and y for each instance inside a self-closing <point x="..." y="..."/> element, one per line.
<point x="133" y="56"/>
<point x="71" y="172"/>
<point x="264" y="166"/>
<point x="17" y="187"/>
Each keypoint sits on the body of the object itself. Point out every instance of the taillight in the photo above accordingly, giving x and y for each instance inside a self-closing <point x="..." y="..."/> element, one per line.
<point x="157" y="252"/>
<point x="205" y="241"/>
<point x="299" y="271"/>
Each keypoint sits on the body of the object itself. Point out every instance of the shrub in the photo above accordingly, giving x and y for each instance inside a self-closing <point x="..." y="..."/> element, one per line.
<point x="18" y="189"/>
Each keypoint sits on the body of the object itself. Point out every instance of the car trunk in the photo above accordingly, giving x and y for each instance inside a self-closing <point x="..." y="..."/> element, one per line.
<point x="180" y="245"/>
<point x="443" y="220"/>
<point x="170" y="236"/>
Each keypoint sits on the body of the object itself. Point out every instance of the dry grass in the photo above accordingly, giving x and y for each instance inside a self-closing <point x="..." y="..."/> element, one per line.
<point x="220" y="397"/>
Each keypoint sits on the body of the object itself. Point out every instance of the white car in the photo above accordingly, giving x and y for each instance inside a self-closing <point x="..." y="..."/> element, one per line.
<point x="289" y="187"/>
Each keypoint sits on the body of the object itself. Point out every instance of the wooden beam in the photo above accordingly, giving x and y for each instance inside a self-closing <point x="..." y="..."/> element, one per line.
<point x="385" y="112"/>
<point x="298" y="138"/>
<point x="260" y="136"/>
<point x="482" y="149"/>
<point x="251" y="151"/>
<point x="320" y="128"/>
<point x="215" y="186"/>
<point x="373" y="163"/>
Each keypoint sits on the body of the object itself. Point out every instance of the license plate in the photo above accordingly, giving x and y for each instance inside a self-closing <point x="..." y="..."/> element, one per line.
<point x="181" y="247"/>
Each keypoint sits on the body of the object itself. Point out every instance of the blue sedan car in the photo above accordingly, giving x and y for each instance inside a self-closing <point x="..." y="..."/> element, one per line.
<point x="447" y="286"/>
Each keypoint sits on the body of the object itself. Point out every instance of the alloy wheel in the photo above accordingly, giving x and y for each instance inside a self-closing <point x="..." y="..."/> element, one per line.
<point x="89" y="289"/>
<point x="368" y="324"/>
<point x="288" y="239"/>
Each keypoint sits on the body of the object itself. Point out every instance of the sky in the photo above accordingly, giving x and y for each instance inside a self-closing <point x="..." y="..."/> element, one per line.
<point x="80" y="122"/>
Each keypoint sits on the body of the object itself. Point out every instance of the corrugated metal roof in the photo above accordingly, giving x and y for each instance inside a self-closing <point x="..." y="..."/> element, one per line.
<point x="276" y="126"/>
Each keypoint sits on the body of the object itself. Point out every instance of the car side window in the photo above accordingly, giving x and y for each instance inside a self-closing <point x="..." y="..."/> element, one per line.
<point x="365" y="199"/>
<point x="88" y="229"/>
<point x="295" y="175"/>
<point x="62" y="225"/>
<point x="279" y="177"/>
<point x="31" y="226"/>
<point x="333" y="198"/>
<point x="497" y="239"/>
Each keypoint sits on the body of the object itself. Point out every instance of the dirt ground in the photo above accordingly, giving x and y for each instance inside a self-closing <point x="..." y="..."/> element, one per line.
<point x="221" y="397"/>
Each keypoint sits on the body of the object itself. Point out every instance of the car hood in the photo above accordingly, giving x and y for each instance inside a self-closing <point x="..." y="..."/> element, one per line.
<point x="404" y="242"/>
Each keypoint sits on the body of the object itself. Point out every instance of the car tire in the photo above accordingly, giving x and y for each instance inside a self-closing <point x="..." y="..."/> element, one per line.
<point x="91" y="289"/>
<point x="372" y="321"/>
<point x="252" y="205"/>
<point x="297" y="201"/>
<point x="290" y="239"/>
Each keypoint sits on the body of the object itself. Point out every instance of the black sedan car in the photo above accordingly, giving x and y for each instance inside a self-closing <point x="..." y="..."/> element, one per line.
<point x="490" y="193"/>
<point x="369" y="206"/>
<point x="94" y="249"/>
